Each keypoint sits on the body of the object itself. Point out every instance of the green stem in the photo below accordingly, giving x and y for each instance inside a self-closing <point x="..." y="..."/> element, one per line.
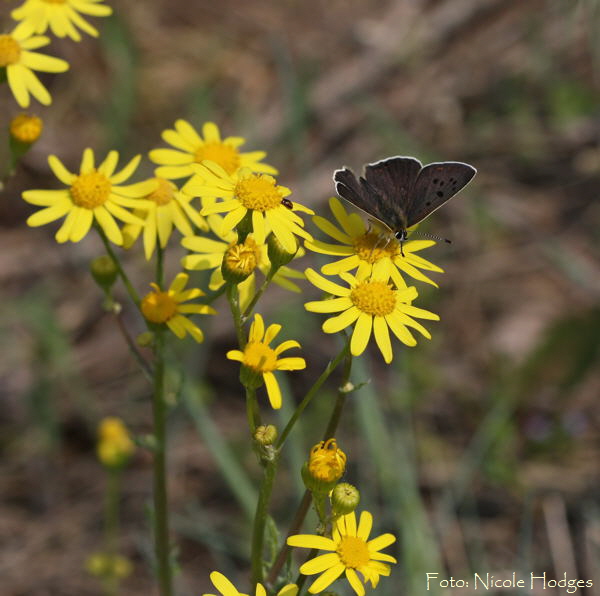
<point x="333" y="364"/>
<point x="111" y="525"/>
<point x="260" y="519"/>
<point x="234" y="304"/>
<point x="331" y="427"/>
<point x="146" y="368"/>
<point x="259" y="293"/>
<point x="128" y="285"/>
<point x="252" y="411"/>
<point x="161" y="511"/>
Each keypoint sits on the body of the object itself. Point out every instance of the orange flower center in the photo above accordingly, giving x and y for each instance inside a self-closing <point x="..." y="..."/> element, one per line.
<point x="158" y="307"/>
<point x="25" y="128"/>
<point x="260" y="357"/>
<point x="258" y="192"/>
<point x="353" y="552"/>
<point x="225" y="155"/>
<point x="10" y="50"/>
<point x="164" y="192"/>
<point x="373" y="297"/>
<point x="90" y="190"/>
<point x="371" y="247"/>
<point x="327" y="463"/>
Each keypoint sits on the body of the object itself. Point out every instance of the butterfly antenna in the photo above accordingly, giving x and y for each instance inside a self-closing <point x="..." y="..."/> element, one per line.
<point x="432" y="236"/>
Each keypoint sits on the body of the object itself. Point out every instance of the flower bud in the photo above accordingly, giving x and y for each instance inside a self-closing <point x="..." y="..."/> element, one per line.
<point x="240" y="260"/>
<point x="265" y="434"/>
<point x="115" y="446"/>
<point x="26" y="129"/>
<point x="277" y="253"/>
<point x="344" y="499"/>
<point x="104" y="271"/>
<point x="325" y="466"/>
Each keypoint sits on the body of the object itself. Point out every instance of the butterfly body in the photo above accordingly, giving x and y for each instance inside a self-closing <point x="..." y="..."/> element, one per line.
<point x="399" y="192"/>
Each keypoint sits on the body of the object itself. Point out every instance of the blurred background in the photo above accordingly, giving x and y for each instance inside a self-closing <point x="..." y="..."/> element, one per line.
<point x="478" y="449"/>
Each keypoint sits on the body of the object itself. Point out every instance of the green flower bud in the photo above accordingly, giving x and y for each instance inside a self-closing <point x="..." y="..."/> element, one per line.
<point x="104" y="271"/>
<point x="265" y="434"/>
<point x="344" y="499"/>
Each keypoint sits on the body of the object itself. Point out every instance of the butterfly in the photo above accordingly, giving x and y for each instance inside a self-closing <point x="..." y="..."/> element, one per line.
<point x="399" y="192"/>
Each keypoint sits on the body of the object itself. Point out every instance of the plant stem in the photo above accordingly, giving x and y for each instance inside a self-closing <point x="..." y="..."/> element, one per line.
<point x="259" y="293"/>
<point x="111" y="253"/>
<point x="333" y="364"/>
<point x="252" y="411"/>
<point x="111" y="525"/>
<point x="234" y="304"/>
<point x="329" y="432"/>
<point x="260" y="518"/>
<point x="161" y="511"/>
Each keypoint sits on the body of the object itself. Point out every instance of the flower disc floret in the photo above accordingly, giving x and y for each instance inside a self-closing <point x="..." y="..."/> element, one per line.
<point x="227" y="156"/>
<point x="10" y="50"/>
<point x="350" y="552"/>
<point x="374" y="297"/>
<point x="94" y="195"/>
<point x="158" y="307"/>
<point x="164" y="192"/>
<point x="259" y="192"/>
<point x="26" y="128"/>
<point x="261" y="359"/>
<point x="371" y="251"/>
<point x="90" y="190"/>
<point x="327" y="462"/>
<point x="20" y="61"/>
<point x="372" y="306"/>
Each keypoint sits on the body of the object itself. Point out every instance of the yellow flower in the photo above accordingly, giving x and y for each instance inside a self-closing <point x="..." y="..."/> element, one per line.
<point x="160" y="307"/>
<point x="20" y="62"/>
<point x="26" y="128"/>
<point x="327" y="462"/>
<point x="374" y="252"/>
<point x="95" y="194"/>
<point x="226" y="588"/>
<point x="167" y="207"/>
<point x="352" y="552"/>
<point x="375" y="306"/>
<point x="207" y="253"/>
<point x="115" y="446"/>
<point x="60" y="16"/>
<point x="245" y="192"/>
<point x="191" y="148"/>
<point x="261" y="360"/>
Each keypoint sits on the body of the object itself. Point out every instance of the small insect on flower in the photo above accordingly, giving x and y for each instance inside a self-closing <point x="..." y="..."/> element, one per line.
<point x="226" y="588"/>
<point x="287" y="203"/>
<point x="93" y="195"/>
<point x="372" y="305"/>
<point x="259" y="360"/>
<point x="19" y="61"/>
<point x="257" y="195"/>
<point x="62" y="17"/>
<point x="166" y="307"/>
<point x="351" y="552"/>
<point x="192" y="148"/>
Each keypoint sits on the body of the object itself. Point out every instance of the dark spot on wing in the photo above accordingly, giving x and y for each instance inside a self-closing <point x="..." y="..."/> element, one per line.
<point x="439" y="193"/>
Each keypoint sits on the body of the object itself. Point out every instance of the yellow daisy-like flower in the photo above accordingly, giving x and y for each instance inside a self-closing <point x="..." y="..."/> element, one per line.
<point x="95" y="194"/>
<point x="207" y="253"/>
<point x="261" y="360"/>
<point x="26" y="128"/>
<point x="375" y="306"/>
<point x="226" y="588"/>
<point x="244" y="192"/>
<point x="167" y="207"/>
<point x="191" y="148"/>
<point x="160" y="307"/>
<point x="373" y="252"/>
<point x="115" y="446"/>
<point x="61" y="16"/>
<point x="17" y="58"/>
<point x="352" y="552"/>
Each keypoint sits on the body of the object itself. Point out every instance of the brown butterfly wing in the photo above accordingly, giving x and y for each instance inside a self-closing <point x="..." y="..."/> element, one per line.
<point x="358" y="192"/>
<point x="436" y="184"/>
